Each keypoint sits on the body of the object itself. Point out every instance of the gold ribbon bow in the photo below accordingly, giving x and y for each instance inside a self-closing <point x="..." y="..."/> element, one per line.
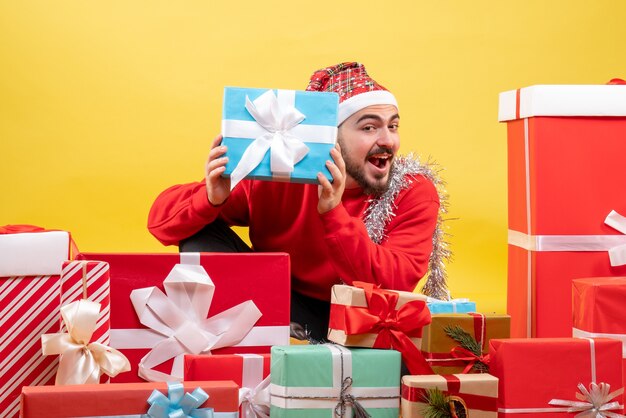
<point x="593" y="403"/>
<point x="81" y="361"/>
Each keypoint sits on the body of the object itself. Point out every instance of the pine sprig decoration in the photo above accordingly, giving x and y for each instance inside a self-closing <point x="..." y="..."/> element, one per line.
<point x="440" y="405"/>
<point x="437" y="405"/>
<point x="468" y="342"/>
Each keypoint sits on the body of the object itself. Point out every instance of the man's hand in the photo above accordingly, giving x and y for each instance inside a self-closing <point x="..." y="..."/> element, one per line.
<point x="217" y="187"/>
<point x="330" y="193"/>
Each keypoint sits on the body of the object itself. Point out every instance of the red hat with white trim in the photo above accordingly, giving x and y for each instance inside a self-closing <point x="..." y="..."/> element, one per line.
<point x="356" y="89"/>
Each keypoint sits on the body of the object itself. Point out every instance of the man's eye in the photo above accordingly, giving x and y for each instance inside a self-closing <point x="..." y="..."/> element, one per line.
<point x="394" y="126"/>
<point x="368" y="128"/>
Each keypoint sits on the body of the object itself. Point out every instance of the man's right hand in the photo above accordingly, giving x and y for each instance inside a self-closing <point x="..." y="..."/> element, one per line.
<point x="217" y="187"/>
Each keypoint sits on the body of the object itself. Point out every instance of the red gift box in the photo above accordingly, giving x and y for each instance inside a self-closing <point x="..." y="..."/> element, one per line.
<point x="249" y="371"/>
<point x="263" y="278"/>
<point x="116" y="399"/>
<point x="599" y="309"/>
<point x="29" y="307"/>
<point x="565" y="169"/>
<point x="534" y="372"/>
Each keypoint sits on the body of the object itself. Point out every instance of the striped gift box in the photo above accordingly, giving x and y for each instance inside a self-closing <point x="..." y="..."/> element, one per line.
<point x="29" y="307"/>
<point x="88" y="280"/>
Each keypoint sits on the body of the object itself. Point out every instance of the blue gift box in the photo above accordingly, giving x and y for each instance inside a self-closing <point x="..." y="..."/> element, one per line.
<point x="451" y="306"/>
<point x="264" y="129"/>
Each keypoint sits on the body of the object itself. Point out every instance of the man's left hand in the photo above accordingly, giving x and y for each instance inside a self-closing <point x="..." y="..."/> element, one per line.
<point x="330" y="193"/>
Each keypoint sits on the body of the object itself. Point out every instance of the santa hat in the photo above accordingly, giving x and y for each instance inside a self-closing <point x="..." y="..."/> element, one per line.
<point x="355" y="87"/>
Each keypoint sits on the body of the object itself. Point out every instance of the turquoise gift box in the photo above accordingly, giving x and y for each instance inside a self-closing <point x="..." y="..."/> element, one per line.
<point x="279" y="135"/>
<point x="451" y="306"/>
<point x="329" y="380"/>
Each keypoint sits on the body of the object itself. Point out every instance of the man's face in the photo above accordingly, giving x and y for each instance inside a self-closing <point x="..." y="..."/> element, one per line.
<point x="369" y="140"/>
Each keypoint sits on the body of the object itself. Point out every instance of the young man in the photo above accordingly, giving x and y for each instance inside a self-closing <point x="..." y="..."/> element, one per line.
<point x="373" y="223"/>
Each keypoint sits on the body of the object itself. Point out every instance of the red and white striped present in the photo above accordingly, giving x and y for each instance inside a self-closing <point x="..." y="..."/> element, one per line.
<point x="88" y="280"/>
<point x="29" y="307"/>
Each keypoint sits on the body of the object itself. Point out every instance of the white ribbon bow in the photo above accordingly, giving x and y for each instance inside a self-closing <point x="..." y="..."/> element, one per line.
<point x="255" y="402"/>
<point x="617" y="254"/>
<point x="81" y="361"/>
<point x="181" y="317"/>
<point x="593" y="403"/>
<point x="286" y="149"/>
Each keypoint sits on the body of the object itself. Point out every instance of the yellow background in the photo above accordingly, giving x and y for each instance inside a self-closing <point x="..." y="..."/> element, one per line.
<point x="103" y="104"/>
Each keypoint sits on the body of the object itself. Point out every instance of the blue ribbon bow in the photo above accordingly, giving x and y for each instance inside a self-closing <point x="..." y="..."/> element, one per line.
<point x="178" y="404"/>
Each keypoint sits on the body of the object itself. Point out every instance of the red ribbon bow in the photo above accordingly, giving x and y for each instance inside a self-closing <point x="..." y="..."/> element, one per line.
<point x="466" y="355"/>
<point x="394" y="327"/>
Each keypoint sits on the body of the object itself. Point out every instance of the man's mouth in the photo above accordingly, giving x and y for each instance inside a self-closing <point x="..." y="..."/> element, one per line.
<point x="380" y="161"/>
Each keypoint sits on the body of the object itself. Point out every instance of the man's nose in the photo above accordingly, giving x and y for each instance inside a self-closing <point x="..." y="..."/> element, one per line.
<point x="385" y="138"/>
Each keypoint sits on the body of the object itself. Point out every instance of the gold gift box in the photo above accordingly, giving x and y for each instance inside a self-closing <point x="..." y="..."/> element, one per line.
<point x="437" y="345"/>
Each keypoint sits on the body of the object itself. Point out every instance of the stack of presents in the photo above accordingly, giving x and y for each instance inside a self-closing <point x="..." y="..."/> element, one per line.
<point x="207" y="334"/>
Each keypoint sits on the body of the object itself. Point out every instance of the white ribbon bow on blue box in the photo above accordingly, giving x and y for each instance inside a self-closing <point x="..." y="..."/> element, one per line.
<point x="298" y="128"/>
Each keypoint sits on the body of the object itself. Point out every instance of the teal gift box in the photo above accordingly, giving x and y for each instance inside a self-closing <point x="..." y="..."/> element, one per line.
<point x="329" y="380"/>
<point x="451" y="306"/>
<point x="280" y="135"/>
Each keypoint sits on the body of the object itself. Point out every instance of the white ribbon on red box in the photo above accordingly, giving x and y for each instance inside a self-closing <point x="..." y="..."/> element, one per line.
<point x="595" y="402"/>
<point x="615" y="245"/>
<point x="180" y="317"/>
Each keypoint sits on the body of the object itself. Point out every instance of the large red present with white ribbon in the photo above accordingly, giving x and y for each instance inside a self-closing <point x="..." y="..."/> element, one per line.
<point x="557" y="377"/>
<point x="250" y="371"/>
<point x="164" y="306"/>
<point x="599" y="309"/>
<point x="364" y="315"/>
<point x="30" y="266"/>
<point x="565" y="176"/>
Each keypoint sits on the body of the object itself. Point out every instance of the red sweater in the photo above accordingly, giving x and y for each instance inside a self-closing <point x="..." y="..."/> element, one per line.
<point x="324" y="249"/>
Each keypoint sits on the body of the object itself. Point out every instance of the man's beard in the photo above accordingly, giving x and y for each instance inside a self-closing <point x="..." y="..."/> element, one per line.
<point x="357" y="172"/>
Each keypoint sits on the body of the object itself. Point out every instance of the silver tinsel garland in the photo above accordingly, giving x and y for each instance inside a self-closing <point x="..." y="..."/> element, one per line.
<point x="381" y="210"/>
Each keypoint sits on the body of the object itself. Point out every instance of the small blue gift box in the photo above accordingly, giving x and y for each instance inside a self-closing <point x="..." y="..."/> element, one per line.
<point x="280" y="135"/>
<point x="451" y="306"/>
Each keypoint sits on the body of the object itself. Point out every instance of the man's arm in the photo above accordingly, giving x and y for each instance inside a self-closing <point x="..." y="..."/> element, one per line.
<point x="182" y="210"/>
<point x="402" y="258"/>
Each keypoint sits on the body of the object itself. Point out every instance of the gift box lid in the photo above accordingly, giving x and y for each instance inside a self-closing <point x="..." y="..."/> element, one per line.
<point x="562" y="100"/>
<point x="475" y="384"/>
<point x="33" y="253"/>
<point x="312" y="366"/>
<point x="451" y="306"/>
<point x="243" y="369"/>
<point x="598" y="304"/>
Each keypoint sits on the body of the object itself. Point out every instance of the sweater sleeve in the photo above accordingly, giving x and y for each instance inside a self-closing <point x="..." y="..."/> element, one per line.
<point x="401" y="260"/>
<point x="182" y="210"/>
